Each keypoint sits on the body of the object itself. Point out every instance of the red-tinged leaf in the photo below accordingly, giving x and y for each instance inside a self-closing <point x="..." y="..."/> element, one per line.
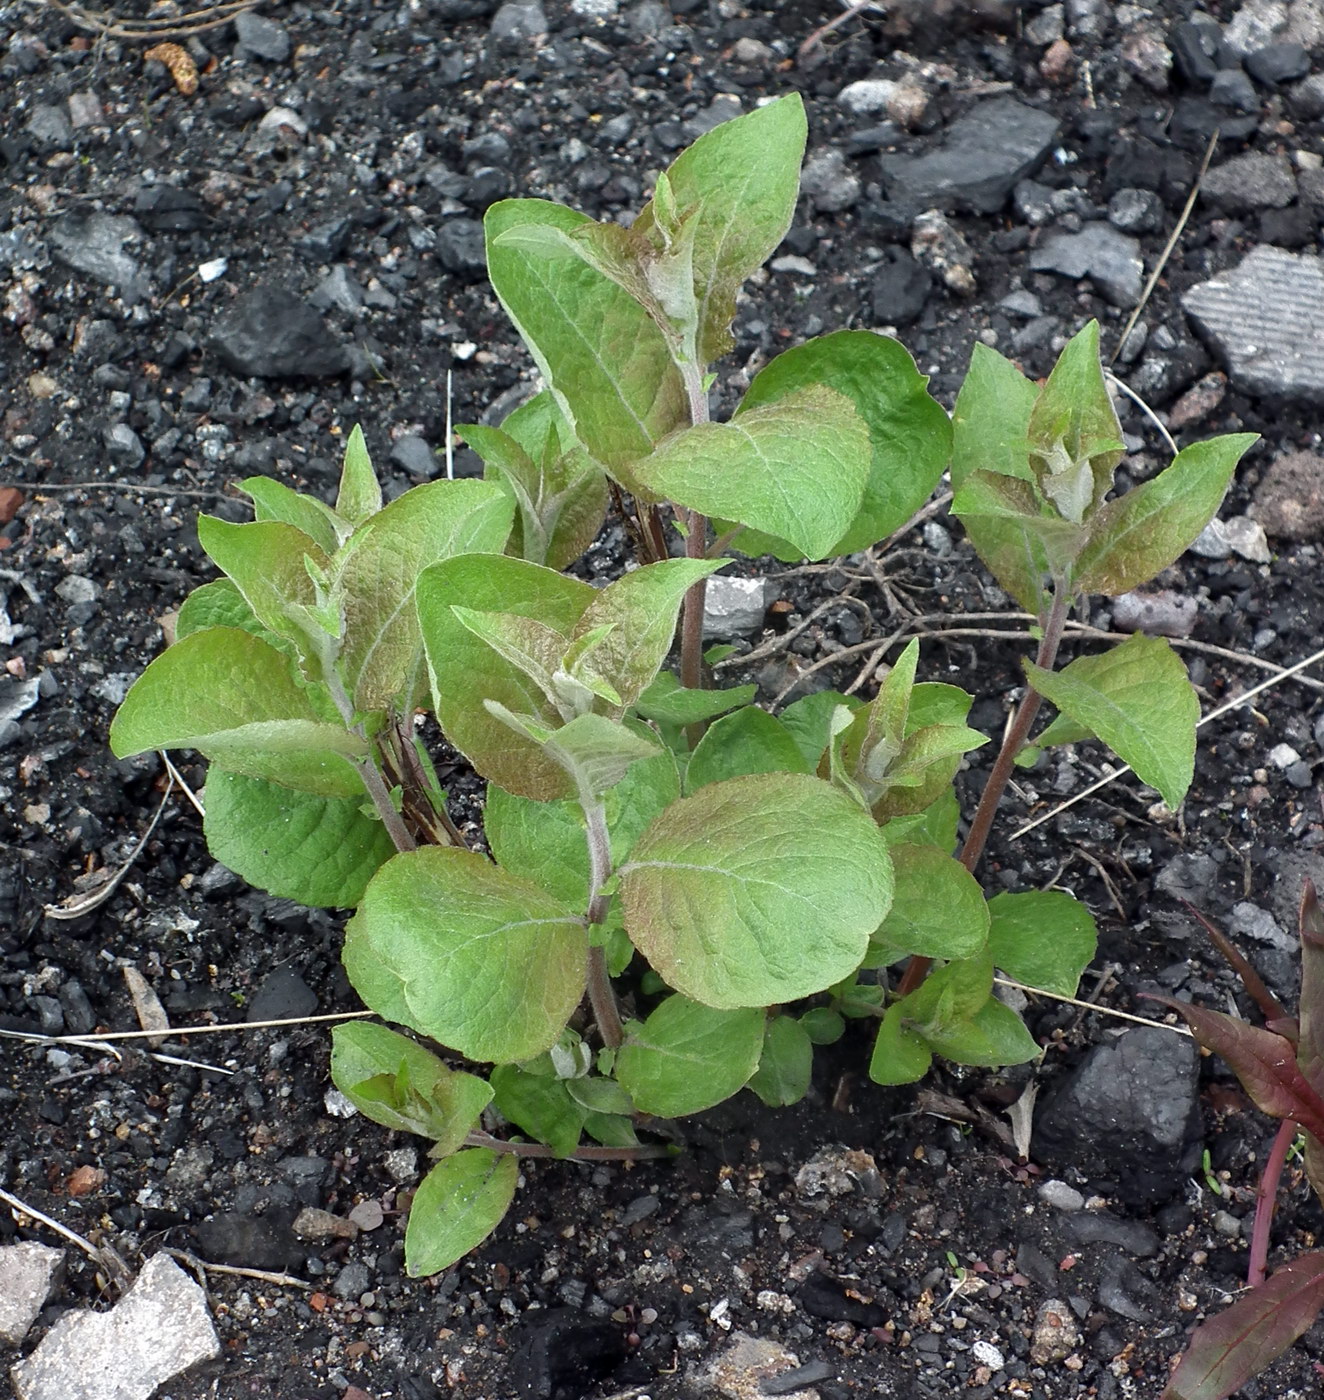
<point x="1265" y="1063"/>
<point x="1234" y="1347"/>
<point x="1310" y="1036"/>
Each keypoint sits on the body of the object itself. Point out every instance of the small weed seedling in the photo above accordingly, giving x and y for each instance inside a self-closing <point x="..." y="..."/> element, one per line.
<point x="679" y="893"/>
<point x="1281" y="1068"/>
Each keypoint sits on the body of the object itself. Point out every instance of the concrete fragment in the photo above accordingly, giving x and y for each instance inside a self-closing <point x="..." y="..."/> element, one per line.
<point x="1265" y="319"/>
<point x="157" y="1330"/>
<point x="1163" y="613"/>
<point x="28" y="1273"/>
<point x="1110" y="259"/>
<point x="742" y="1370"/>
<point x="1239" y="535"/>
<point x="734" y="607"/>
<point x="1250" y="181"/>
<point x="1289" y="501"/>
<point x="1056" y="1334"/>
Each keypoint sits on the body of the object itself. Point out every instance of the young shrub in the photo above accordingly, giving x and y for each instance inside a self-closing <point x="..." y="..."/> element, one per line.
<point x="679" y="894"/>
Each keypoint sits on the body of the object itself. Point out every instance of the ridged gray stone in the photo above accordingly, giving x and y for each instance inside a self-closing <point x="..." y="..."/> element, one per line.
<point x="1265" y="318"/>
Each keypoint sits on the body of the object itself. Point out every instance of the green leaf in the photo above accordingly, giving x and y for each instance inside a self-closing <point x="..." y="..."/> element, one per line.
<point x="220" y="604"/>
<point x="686" y="1057"/>
<point x="926" y="765"/>
<point x="457" y="949"/>
<point x="1133" y="538"/>
<point x="899" y="1055"/>
<point x="786" y="1066"/>
<point x="457" y="1205"/>
<point x="1074" y="436"/>
<point x="436" y="521"/>
<point x="666" y="701"/>
<point x="605" y="362"/>
<point x="935" y="826"/>
<point x="938" y="908"/>
<point x="396" y="1082"/>
<point x="1021" y="546"/>
<point x="950" y="995"/>
<point x="273" y="500"/>
<point x="234" y="699"/>
<point x="749" y="741"/>
<point x="540" y="1106"/>
<point x="265" y="561"/>
<point x="598" y="752"/>
<point x="466" y="671"/>
<point x="539" y="841"/>
<point x="910" y="435"/>
<point x="360" y="496"/>
<point x="599" y="1095"/>
<point x="1138" y="700"/>
<point x="1044" y="938"/>
<point x="995" y="1035"/>
<point x="809" y="721"/>
<point x="741" y="180"/>
<point x="795" y="468"/>
<point x="1233" y="1348"/>
<point x="991" y="419"/>
<point x="611" y="1130"/>
<point x="823" y="1025"/>
<point x="757" y="890"/>
<point x="319" y="851"/>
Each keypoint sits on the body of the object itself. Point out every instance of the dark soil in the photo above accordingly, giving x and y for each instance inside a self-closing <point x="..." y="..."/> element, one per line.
<point x="602" y="1280"/>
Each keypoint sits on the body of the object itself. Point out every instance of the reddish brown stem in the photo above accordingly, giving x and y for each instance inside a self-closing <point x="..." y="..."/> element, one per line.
<point x="1014" y="741"/>
<point x="582" y="1154"/>
<point x="1266" y="1201"/>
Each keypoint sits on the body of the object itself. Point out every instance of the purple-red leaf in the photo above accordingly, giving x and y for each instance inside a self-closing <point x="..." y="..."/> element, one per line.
<point x="1234" y="1347"/>
<point x="1265" y="1063"/>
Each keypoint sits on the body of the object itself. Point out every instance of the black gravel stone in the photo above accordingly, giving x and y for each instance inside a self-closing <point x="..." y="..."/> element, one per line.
<point x="1232" y="89"/>
<point x="1276" y="64"/>
<point x="168" y="209"/>
<point x="1196" y="46"/>
<point x="901" y="287"/>
<point x="564" y="1354"/>
<point x="269" y="333"/>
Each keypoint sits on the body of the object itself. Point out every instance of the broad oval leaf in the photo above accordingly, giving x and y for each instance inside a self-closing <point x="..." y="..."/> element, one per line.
<point x="457" y="1205"/>
<point x="1138" y="699"/>
<point x="454" y="947"/>
<point x="748" y="741"/>
<point x="786" y="1066"/>
<point x="1233" y="1348"/>
<point x="757" y="890"/>
<point x="687" y="1057"/>
<point x="1044" y="938"/>
<point x="938" y="909"/>
<point x="991" y="419"/>
<point x="899" y="1055"/>
<point x="465" y="671"/>
<point x="320" y="851"/>
<point x="273" y="500"/>
<point x="602" y="357"/>
<point x="540" y="1105"/>
<point x="382" y="648"/>
<point x="1136" y="536"/>
<point x="910" y="435"/>
<point x="234" y="698"/>
<point x="795" y="468"/>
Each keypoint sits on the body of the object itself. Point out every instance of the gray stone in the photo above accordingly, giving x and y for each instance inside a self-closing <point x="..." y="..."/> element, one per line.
<point x="123" y="446"/>
<point x="1087" y="19"/>
<point x="77" y="589"/>
<point x="412" y="454"/>
<point x="270" y="333"/>
<point x="1289" y="500"/>
<point x="1248" y="920"/>
<point x="1160" y="614"/>
<point x="1239" y="535"/>
<point x="1111" y="260"/>
<point x="28" y="1273"/>
<point x="92" y="242"/>
<point x="938" y="245"/>
<point x="1232" y="90"/>
<point x="900" y="288"/>
<point x="261" y="37"/>
<point x="744" y="1368"/>
<point x="50" y="128"/>
<point x="1061" y="1196"/>
<point x="341" y="289"/>
<point x="1047" y="27"/>
<point x="283" y="994"/>
<point x="734" y="607"/>
<point x="985" y="152"/>
<point x="1265" y="319"/>
<point x="868" y="95"/>
<point x="1127" y="1116"/>
<point x="518" y="23"/>
<point x="1033" y="203"/>
<point x="1056" y="1334"/>
<point x="1102" y="1227"/>
<point x="1249" y="182"/>
<point x="1135" y="211"/>
<point x="158" y="1330"/>
<point x="828" y="182"/>
<point x="1259" y="23"/>
<point x="352" y="1281"/>
<point x="85" y="110"/>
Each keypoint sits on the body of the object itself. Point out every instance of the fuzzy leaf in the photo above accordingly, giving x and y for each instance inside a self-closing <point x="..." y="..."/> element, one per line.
<point x="991" y="419"/>
<point x="723" y="889"/>
<point x="1233" y="1348"/>
<point x="233" y="698"/>
<point x="539" y="1105"/>
<point x="741" y="180"/>
<point x="910" y="435"/>
<point x="436" y="521"/>
<point x="319" y="851"/>
<point x="396" y="1082"/>
<point x="1138" y="699"/>
<point x="465" y="671"/>
<point x="1044" y="938"/>
<point x="273" y="500"/>
<point x="795" y="468"/>
<point x="748" y="741"/>
<point x="360" y="495"/>
<point x="666" y="701"/>
<point x="457" y="949"/>
<point x="603" y="359"/>
<point x="1134" y="537"/>
<point x="938" y="908"/>
<point x="786" y="1066"/>
<point x="899" y="1055"/>
<point x="686" y="1057"/>
<point x="457" y="1205"/>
